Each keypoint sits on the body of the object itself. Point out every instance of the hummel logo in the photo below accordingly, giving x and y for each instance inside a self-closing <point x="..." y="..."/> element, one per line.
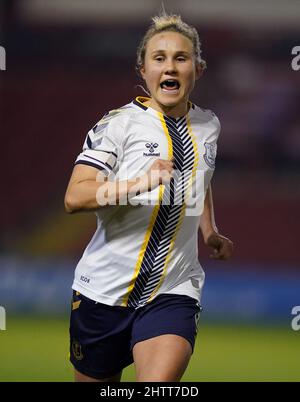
<point x="151" y="146"/>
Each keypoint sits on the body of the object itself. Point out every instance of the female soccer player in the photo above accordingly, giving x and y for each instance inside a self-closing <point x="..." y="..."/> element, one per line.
<point x="137" y="287"/>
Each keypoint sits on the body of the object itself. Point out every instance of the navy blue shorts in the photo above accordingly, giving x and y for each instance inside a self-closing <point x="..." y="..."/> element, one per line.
<point x="102" y="336"/>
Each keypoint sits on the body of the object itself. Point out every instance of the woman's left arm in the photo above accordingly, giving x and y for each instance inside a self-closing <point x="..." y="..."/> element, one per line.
<point x="221" y="245"/>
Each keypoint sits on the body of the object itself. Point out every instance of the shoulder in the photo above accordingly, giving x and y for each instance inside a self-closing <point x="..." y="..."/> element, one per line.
<point x="113" y="119"/>
<point x="206" y="121"/>
<point x="205" y="116"/>
<point x="111" y="127"/>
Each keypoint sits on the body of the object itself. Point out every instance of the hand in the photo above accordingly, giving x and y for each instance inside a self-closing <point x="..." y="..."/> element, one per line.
<point x="222" y="247"/>
<point x="159" y="173"/>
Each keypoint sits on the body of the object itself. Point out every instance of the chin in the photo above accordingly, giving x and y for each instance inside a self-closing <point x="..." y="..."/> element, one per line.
<point x="170" y="102"/>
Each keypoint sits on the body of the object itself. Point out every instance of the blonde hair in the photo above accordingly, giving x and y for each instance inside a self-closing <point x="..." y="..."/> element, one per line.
<point x="170" y="23"/>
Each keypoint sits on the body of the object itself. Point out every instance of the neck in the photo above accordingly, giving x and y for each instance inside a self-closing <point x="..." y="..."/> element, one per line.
<point x="170" y="111"/>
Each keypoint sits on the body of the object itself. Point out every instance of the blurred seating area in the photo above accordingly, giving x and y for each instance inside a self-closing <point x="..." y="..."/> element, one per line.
<point x="61" y="79"/>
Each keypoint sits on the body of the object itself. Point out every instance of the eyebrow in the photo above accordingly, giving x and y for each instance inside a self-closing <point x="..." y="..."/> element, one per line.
<point x="179" y="52"/>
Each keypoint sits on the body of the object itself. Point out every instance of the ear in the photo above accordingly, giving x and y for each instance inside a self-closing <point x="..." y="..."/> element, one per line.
<point x="142" y="72"/>
<point x="199" y="70"/>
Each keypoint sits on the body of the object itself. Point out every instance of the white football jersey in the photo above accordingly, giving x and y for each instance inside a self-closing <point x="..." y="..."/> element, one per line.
<point x="149" y="246"/>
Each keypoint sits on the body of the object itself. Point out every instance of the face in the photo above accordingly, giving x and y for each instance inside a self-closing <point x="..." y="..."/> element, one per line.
<point x="170" y="72"/>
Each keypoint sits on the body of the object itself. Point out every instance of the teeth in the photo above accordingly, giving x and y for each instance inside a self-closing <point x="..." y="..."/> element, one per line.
<point x="170" y="84"/>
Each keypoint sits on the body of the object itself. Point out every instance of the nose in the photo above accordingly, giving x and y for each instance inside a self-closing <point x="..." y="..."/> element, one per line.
<point x="170" y="66"/>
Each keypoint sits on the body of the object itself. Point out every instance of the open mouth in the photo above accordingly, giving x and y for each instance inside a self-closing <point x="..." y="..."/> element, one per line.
<point x="170" y="85"/>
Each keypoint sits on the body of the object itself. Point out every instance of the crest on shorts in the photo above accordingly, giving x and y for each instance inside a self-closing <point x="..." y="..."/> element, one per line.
<point x="210" y="153"/>
<point x="76" y="350"/>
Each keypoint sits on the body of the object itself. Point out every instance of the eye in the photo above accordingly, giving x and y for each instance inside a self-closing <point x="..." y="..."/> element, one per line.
<point x="181" y="58"/>
<point x="159" y="58"/>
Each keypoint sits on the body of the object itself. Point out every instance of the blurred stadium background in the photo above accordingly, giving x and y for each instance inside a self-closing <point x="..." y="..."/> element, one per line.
<point x="68" y="62"/>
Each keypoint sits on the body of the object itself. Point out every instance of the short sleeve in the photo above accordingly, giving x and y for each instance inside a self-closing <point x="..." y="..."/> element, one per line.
<point x="103" y="144"/>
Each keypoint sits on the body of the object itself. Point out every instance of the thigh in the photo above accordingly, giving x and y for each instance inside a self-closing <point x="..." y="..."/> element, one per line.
<point x="161" y="359"/>
<point x="99" y="339"/>
<point x="163" y="337"/>
<point x="79" y="377"/>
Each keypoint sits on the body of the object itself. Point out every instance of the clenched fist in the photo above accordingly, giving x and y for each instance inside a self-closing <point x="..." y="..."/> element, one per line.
<point x="159" y="173"/>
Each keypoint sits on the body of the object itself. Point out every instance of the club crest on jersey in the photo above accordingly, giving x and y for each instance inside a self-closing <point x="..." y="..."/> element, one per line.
<point x="210" y="154"/>
<point x="151" y="147"/>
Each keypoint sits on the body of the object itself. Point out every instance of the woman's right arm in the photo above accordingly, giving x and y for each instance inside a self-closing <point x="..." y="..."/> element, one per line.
<point x="88" y="188"/>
